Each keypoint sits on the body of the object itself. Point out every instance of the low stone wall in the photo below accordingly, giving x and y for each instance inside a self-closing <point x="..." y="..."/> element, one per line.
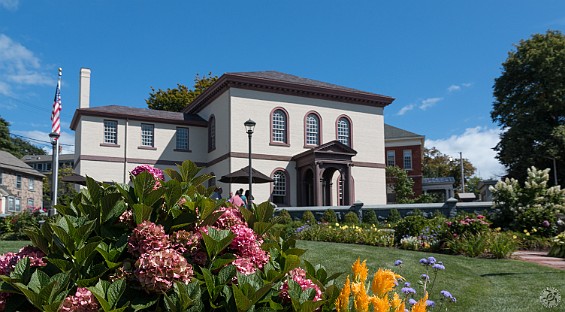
<point x="450" y="208"/>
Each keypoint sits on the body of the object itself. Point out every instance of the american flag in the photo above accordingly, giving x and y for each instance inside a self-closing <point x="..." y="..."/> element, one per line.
<point x="57" y="106"/>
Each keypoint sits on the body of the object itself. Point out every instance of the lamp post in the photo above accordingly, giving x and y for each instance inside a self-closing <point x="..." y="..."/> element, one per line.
<point x="54" y="137"/>
<point x="462" y="173"/>
<point x="249" y="127"/>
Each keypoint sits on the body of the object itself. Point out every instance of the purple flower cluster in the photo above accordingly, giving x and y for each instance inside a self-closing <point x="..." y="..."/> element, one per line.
<point x="82" y="301"/>
<point x="299" y="276"/>
<point x="398" y="262"/>
<point x="447" y="295"/>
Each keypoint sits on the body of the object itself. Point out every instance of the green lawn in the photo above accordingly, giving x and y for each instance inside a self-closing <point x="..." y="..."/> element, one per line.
<point x="478" y="284"/>
<point x="12" y="246"/>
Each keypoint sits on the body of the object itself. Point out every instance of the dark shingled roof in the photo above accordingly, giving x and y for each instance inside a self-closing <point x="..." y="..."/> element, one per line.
<point x="277" y="82"/>
<point x="143" y="114"/>
<point x="282" y="77"/>
<point x="11" y="162"/>
<point x="397" y="133"/>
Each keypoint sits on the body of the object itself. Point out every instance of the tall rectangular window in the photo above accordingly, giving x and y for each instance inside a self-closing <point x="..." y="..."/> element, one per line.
<point x="1" y="174"/>
<point x="407" y="160"/>
<point x="18" y="207"/>
<point x="11" y="204"/>
<point x="30" y="203"/>
<point x="31" y="182"/>
<point x="147" y="135"/>
<point x="390" y="161"/>
<point x="18" y="181"/>
<point x="110" y="132"/>
<point x="182" y="138"/>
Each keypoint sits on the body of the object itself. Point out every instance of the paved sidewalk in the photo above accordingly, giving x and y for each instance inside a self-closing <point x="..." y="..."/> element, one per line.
<point x="539" y="257"/>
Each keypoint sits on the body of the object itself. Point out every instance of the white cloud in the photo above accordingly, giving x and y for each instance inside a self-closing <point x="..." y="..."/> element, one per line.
<point x="19" y="66"/>
<point x="476" y="145"/>
<point x="41" y="139"/>
<point x="429" y="102"/>
<point x="10" y="4"/>
<point x="405" y="109"/>
<point x="455" y="87"/>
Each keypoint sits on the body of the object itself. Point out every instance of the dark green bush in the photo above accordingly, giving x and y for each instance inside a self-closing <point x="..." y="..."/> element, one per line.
<point x="393" y="216"/>
<point x="409" y="226"/>
<point x="283" y="217"/>
<point x="12" y="227"/>
<point x="351" y="218"/>
<point x="308" y="217"/>
<point x="329" y="216"/>
<point x="369" y="216"/>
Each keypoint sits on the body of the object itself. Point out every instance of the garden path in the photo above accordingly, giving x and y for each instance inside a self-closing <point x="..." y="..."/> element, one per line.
<point x="539" y="257"/>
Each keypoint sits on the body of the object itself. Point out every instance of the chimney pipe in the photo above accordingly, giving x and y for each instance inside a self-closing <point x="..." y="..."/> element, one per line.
<point x="84" y="88"/>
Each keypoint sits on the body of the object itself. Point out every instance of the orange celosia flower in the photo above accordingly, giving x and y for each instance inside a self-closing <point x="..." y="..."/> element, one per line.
<point x="360" y="298"/>
<point x="342" y="301"/>
<point x="396" y="301"/>
<point x="384" y="281"/>
<point x="401" y="307"/>
<point x="420" y="306"/>
<point x="360" y="270"/>
<point x="380" y="304"/>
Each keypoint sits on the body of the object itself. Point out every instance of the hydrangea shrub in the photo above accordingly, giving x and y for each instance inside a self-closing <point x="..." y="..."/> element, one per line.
<point x="160" y="245"/>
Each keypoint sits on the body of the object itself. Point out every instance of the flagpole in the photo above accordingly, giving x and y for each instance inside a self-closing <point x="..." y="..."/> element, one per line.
<point x="54" y="136"/>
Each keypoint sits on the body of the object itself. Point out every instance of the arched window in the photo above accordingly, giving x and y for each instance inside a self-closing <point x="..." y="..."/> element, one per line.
<point x="312" y="125"/>
<point x="280" y="187"/>
<point x="344" y="130"/>
<point x="279" y="127"/>
<point x="212" y="133"/>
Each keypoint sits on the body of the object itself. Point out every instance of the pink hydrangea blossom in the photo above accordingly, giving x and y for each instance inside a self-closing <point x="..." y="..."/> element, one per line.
<point x="157" y="271"/>
<point x="246" y="245"/>
<point x="147" y="237"/>
<point x="230" y="217"/>
<point x="299" y="276"/>
<point x="155" y="172"/>
<point x="82" y="301"/>
<point x="185" y="241"/>
<point x="9" y="260"/>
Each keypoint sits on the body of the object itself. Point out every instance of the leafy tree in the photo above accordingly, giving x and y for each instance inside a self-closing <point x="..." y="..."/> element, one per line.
<point x="401" y="184"/>
<point x="175" y="100"/>
<point x="530" y="105"/>
<point x="16" y="146"/>
<point x="5" y="141"/>
<point x="65" y="191"/>
<point x="437" y="165"/>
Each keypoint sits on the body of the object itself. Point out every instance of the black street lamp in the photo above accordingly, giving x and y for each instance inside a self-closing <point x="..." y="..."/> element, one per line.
<point x="249" y="127"/>
<point x="54" y="138"/>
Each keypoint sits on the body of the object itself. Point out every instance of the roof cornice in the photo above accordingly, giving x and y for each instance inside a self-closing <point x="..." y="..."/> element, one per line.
<point x="234" y="80"/>
<point x="90" y="112"/>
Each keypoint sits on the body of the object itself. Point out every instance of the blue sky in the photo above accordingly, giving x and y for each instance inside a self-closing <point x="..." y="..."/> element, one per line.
<point x="438" y="59"/>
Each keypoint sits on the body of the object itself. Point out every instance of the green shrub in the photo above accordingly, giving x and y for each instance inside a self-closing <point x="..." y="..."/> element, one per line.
<point x="370" y="217"/>
<point x="351" y="218"/>
<point x="501" y="245"/>
<point x="558" y="246"/>
<point x="12" y="227"/>
<point x="283" y="217"/>
<point x="469" y="245"/>
<point x="350" y="234"/>
<point x="393" y="216"/>
<point x="329" y="216"/>
<point x="528" y="207"/>
<point x="159" y="245"/>
<point x="308" y="217"/>
<point x="409" y="226"/>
